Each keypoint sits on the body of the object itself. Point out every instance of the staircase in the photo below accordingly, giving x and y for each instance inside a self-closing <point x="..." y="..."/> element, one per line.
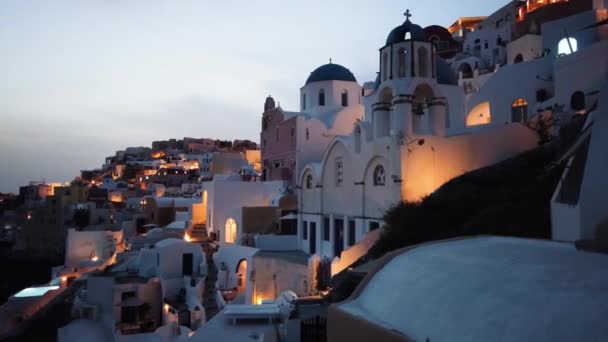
<point x="198" y="233"/>
<point x="209" y="302"/>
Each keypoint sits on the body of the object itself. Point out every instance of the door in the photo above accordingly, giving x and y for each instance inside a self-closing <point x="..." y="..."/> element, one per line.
<point x="187" y="263"/>
<point x="312" y="238"/>
<point x="338" y="236"/>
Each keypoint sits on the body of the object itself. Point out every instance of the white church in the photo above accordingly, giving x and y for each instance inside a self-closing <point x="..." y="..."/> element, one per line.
<point x="421" y="128"/>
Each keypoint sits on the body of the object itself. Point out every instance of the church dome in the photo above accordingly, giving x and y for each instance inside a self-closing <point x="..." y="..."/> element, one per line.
<point x="331" y="72"/>
<point x="398" y="34"/>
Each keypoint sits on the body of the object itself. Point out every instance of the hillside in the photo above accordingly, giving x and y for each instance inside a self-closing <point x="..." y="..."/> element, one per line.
<point x="511" y="198"/>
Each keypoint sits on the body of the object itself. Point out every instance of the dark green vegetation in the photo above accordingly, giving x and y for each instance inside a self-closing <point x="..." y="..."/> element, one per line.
<point x="511" y="198"/>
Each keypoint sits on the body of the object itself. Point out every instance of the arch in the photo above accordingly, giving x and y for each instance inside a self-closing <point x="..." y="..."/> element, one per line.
<point x="386" y="96"/>
<point x="401" y="62"/>
<point x="422" y="62"/>
<point x="379" y="175"/>
<point x="567" y="46"/>
<point x="231" y="230"/>
<point x="321" y="97"/>
<point x="344" y="98"/>
<point x="519" y="110"/>
<point x="241" y="275"/>
<point x="422" y="96"/>
<point x="518" y="59"/>
<point x="466" y="70"/>
<point x="479" y="115"/>
<point x="325" y="162"/>
<point x="577" y="100"/>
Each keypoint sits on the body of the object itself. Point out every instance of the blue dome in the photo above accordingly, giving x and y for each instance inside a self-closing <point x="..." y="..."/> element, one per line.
<point x="331" y="72"/>
<point x="397" y="35"/>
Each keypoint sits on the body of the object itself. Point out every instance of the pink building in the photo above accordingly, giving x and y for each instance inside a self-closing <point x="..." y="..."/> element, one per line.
<point x="330" y="104"/>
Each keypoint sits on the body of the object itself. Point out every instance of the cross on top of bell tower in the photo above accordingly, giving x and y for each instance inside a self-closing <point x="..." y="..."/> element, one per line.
<point x="407" y="15"/>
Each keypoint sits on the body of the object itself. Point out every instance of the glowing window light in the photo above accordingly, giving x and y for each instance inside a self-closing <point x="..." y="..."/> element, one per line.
<point x="35" y="291"/>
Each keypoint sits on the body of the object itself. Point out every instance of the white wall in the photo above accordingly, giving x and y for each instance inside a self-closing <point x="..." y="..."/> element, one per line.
<point x="227" y="198"/>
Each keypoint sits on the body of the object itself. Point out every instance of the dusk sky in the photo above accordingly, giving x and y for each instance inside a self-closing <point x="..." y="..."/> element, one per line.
<point x="82" y="79"/>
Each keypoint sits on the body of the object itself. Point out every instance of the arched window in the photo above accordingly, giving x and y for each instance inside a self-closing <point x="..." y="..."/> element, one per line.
<point x="422" y="62"/>
<point x="303" y="101"/>
<point x="401" y="59"/>
<point x="344" y="98"/>
<point x="567" y="46"/>
<point x="519" y="110"/>
<point x="467" y="71"/>
<point x="379" y="176"/>
<point x="309" y="181"/>
<point x="577" y="101"/>
<point x="322" y="97"/>
<point x="230" y="230"/>
<point x="385" y="67"/>
<point x="518" y="59"/>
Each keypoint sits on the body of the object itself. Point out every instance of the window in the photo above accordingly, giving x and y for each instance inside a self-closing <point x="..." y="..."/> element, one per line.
<point x="293" y="131"/>
<point x="231" y="227"/>
<point x="276" y="132"/>
<point x="322" y="97"/>
<point x="379" y="176"/>
<point x="385" y="67"/>
<point x="567" y="46"/>
<point x="401" y="60"/>
<point x="577" y="100"/>
<point x="305" y="230"/>
<point x="518" y="59"/>
<point x="303" y="101"/>
<point x="339" y="172"/>
<point x="351" y="232"/>
<point x="128" y="294"/>
<point x="309" y="181"/>
<point x="519" y="111"/>
<point x="307" y="134"/>
<point x="326" y="228"/>
<point x="422" y="62"/>
<point x="277" y="164"/>
<point x="344" y="98"/>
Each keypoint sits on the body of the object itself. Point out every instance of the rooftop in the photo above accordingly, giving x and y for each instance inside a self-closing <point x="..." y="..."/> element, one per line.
<point x="517" y="289"/>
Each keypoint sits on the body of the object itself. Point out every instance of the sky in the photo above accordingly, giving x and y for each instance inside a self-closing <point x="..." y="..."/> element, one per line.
<point x="80" y="79"/>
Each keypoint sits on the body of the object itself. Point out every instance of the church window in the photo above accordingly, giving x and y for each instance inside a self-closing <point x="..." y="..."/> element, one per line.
<point x="303" y="101"/>
<point x="307" y="134"/>
<point x="401" y="59"/>
<point x="379" y="176"/>
<point x="519" y="110"/>
<point x="231" y="228"/>
<point x="276" y="132"/>
<point x="293" y="131"/>
<point x="322" y="97"/>
<point x="339" y="172"/>
<point x="567" y="46"/>
<point x="422" y="62"/>
<point x="309" y="181"/>
<point x="385" y="67"/>
<point x="344" y="98"/>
